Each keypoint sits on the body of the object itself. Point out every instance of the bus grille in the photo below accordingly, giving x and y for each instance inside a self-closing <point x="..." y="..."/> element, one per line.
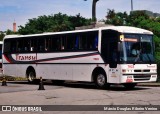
<point x="141" y="77"/>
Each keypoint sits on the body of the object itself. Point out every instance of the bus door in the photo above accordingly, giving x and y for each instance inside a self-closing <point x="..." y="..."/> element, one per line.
<point x="109" y="51"/>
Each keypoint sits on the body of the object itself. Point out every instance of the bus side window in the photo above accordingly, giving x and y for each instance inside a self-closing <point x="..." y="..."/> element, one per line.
<point x="54" y="44"/>
<point x="62" y="47"/>
<point x="13" y="46"/>
<point x="26" y="45"/>
<point x="96" y="42"/>
<point x="33" y="43"/>
<point x="32" y="49"/>
<point x="7" y="46"/>
<point x="19" y="45"/>
<point x="47" y="44"/>
<point x="76" y="43"/>
<point x="64" y="42"/>
<point x="41" y="44"/>
<point x="25" y="49"/>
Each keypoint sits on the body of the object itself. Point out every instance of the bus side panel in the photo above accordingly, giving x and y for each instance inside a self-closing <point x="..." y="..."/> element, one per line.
<point x="65" y="72"/>
<point x="17" y="70"/>
<point x="10" y="69"/>
<point x="82" y="72"/>
<point x="67" y="65"/>
<point x="50" y="66"/>
<point x="46" y="71"/>
<point x="55" y="71"/>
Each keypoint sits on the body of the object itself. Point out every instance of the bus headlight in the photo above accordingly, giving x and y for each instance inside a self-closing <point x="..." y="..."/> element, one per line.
<point x="123" y="70"/>
<point x="154" y="76"/>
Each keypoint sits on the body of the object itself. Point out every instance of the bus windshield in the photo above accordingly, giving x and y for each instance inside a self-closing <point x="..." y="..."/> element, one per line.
<point x="137" y="48"/>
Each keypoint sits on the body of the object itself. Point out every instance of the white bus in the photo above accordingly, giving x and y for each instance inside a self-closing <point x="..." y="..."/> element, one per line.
<point x="107" y="55"/>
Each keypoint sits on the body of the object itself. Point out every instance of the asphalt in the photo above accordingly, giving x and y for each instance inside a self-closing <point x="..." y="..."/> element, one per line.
<point x="151" y="84"/>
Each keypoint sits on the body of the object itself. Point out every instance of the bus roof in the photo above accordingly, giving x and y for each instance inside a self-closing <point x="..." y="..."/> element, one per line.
<point x="128" y="29"/>
<point x="121" y="29"/>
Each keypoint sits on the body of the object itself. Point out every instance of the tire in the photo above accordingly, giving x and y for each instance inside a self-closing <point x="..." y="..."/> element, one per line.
<point x="129" y="85"/>
<point x="31" y="76"/>
<point x="101" y="81"/>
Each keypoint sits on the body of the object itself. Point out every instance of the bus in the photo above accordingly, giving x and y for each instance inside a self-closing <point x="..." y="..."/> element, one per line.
<point x="106" y="55"/>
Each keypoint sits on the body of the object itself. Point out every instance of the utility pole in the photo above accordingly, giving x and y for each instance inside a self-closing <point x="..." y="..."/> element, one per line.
<point x="131" y="5"/>
<point x="94" y="19"/>
<point x="94" y="9"/>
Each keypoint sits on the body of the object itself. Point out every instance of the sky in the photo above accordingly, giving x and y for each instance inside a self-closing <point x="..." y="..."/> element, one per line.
<point x="22" y="10"/>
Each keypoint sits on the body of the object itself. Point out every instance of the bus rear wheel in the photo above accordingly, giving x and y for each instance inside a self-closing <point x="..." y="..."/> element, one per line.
<point x="101" y="81"/>
<point x="31" y="76"/>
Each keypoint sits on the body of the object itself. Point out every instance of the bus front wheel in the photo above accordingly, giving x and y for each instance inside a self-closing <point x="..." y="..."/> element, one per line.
<point x="101" y="81"/>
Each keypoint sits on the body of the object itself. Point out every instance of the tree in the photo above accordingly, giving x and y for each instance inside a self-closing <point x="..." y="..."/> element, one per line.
<point x="53" y="23"/>
<point x="1" y="36"/>
<point x="10" y="32"/>
<point x="116" y="18"/>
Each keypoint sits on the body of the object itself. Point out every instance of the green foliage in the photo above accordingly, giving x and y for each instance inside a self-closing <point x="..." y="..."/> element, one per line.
<point x="118" y="19"/>
<point x="10" y="32"/>
<point x="1" y="36"/>
<point x="157" y="53"/>
<point x="53" y="23"/>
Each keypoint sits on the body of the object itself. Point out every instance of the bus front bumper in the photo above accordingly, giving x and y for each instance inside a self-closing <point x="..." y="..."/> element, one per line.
<point x="135" y="78"/>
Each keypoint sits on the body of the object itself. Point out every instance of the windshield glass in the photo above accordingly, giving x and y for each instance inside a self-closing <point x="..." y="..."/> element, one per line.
<point x="137" y="48"/>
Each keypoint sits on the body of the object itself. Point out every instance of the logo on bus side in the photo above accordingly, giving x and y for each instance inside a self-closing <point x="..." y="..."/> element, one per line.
<point x="26" y="58"/>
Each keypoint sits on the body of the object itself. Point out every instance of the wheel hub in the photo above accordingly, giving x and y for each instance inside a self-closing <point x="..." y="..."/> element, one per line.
<point x="101" y="79"/>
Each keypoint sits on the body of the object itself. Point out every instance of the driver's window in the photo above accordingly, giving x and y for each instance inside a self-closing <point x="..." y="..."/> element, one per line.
<point x="135" y="50"/>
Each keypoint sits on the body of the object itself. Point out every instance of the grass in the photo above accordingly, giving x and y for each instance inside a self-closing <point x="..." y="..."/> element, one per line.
<point x="11" y="78"/>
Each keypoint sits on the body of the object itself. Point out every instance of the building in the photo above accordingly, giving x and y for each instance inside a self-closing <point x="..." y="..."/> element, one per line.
<point x="14" y="27"/>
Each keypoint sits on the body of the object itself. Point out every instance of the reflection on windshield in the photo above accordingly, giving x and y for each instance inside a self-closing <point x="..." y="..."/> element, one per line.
<point x="137" y="48"/>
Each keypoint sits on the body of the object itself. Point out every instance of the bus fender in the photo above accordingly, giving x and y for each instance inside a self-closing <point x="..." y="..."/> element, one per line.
<point x="96" y="71"/>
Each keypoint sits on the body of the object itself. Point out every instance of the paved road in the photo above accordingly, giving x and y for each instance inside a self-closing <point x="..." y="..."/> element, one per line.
<point x="22" y="93"/>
